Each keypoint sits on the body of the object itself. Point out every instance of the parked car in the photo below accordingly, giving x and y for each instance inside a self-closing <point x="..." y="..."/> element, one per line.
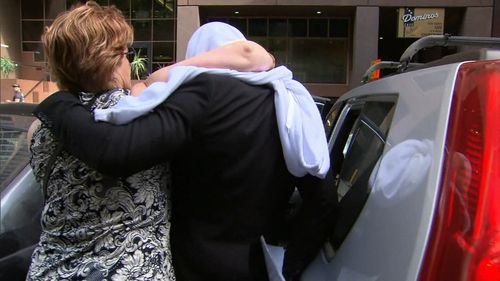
<point x="324" y="104"/>
<point x="416" y="157"/>
<point x="21" y="198"/>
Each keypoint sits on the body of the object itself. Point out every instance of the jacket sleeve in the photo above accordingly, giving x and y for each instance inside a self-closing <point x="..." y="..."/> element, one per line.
<point x="312" y="225"/>
<point x="121" y="150"/>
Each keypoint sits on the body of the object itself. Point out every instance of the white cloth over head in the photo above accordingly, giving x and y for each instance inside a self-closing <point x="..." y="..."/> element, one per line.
<point x="300" y="126"/>
<point x="211" y="36"/>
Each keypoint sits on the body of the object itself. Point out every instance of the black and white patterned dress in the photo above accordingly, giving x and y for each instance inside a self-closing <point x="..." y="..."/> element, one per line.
<point x="97" y="227"/>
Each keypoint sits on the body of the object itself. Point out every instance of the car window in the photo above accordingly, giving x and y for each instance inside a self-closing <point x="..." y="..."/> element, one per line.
<point x="331" y="118"/>
<point x="324" y="104"/>
<point x="14" y="147"/>
<point x="21" y="196"/>
<point x="356" y="143"/>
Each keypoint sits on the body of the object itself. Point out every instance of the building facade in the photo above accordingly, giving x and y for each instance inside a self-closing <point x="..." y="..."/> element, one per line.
<point x="327" y="44"/>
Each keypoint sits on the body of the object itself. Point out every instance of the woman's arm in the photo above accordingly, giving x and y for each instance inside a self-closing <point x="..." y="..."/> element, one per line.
<point x="121" y="150"/>
<point x="239" y="55"/>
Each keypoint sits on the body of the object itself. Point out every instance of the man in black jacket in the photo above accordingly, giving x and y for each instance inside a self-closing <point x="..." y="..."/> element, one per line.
<point x="230" y="181"/>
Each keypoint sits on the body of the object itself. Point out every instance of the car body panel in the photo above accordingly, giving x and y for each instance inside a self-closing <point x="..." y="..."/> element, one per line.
<point x="391" y="249"/>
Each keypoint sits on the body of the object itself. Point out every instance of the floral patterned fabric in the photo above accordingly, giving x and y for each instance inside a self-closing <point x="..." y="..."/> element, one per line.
<point x="97" y="227"/>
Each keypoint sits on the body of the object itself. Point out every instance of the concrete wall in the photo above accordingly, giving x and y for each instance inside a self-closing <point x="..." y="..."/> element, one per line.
<point x="365" y="42"/>
<point x="188" y="20"/>
<point x="477" y="21"/>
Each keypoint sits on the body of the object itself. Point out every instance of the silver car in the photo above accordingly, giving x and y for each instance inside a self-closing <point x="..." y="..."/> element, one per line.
<point x="21" y="199"/>
<point x="416" y="157"/>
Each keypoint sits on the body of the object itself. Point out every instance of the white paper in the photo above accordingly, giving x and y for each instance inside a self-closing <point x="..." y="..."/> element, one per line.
<point x="273" y="255"/>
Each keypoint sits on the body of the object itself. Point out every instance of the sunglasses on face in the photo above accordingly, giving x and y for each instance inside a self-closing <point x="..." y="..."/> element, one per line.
<point x="130" y="53"/>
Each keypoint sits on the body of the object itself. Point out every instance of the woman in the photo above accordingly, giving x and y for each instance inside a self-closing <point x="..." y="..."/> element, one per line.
<point x="96" y="227"/>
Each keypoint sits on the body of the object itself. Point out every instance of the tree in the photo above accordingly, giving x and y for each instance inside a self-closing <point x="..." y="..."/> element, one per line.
<point x="138" y="65"/>
<point x="7" y="66"/>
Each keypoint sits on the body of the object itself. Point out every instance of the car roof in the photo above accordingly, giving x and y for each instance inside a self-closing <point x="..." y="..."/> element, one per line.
<point x="17" y="108"/>
<point x="487" y="48"/>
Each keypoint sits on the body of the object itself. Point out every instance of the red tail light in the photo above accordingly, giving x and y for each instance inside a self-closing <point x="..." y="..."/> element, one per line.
<point x="465" y="238"/>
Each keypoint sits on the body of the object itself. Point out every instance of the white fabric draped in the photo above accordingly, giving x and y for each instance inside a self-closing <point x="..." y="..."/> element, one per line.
<point x="299" y="122"/>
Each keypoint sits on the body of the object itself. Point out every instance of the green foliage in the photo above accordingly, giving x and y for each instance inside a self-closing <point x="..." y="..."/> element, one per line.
<point x="7" y="66"/>
<point x="138" y="65"/>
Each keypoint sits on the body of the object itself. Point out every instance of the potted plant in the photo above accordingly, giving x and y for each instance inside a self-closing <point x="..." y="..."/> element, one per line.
<point x="7" y="66"/>
<point x="138" y="65"/>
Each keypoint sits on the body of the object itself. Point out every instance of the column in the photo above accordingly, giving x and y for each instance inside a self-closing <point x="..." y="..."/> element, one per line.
<point x="188" y="20"/>
<point x="365" y="42"/>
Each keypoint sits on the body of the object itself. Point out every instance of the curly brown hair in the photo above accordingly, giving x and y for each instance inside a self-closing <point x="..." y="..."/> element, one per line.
<point x="84" y="46"/>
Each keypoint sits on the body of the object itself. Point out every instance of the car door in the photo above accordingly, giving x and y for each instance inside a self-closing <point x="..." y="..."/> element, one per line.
<point x="21" y="197"/>
<point x="356" y="145"/>
<point x="357" y="131"/>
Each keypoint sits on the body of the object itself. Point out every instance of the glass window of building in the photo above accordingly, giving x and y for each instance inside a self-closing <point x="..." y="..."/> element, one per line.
<point x="142" y="30"/>
<point x="163" y="54"/>
<point x="54" y="8"/>
<point x="141" y="9"/>
<point x="163" y="9"/>
<point x="32" y="30"/>
<point x="315" y="49"/>
<point x="37" y="49"/>
<point x="154" y="23"/>
<point x="318" y="28"/>
<point x="277" y="28"/>
<point x="240" y="24"/>
<point x="162" y="30"/>
<point x="297" y="27"/>
<point x="122" y="5"/>
<point x="32" y="9"/>
<point x="257" y="27"/>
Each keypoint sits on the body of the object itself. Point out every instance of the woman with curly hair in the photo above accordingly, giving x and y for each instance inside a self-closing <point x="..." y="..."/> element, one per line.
<point x="94" y="226"/>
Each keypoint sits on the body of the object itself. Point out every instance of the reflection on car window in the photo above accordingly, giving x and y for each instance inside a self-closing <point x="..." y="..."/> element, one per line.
<point x="14" y="148"/>
<point x="356" y="144"/>
<point x="332" y="118"/>
<point x="21" y="201"/>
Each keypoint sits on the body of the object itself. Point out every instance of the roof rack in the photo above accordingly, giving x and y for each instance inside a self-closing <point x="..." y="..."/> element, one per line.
<point x="383" y="65"/>
<point x="429" y="41"/>
<point x="444" y="40"/>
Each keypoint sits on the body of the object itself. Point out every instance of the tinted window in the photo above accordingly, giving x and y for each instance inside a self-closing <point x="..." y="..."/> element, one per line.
<point x="357" y="143"/>
<point x="318" y="28"/>
<point x="21" y="201"/>
<point x="257" y="27"/>
<point x="331" y="118"/>
<point x="163" y="9"/>
<point x="14" y="152"/>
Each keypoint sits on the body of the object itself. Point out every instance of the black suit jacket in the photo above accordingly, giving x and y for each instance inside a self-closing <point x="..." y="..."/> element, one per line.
<point x="230" y="182"/>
